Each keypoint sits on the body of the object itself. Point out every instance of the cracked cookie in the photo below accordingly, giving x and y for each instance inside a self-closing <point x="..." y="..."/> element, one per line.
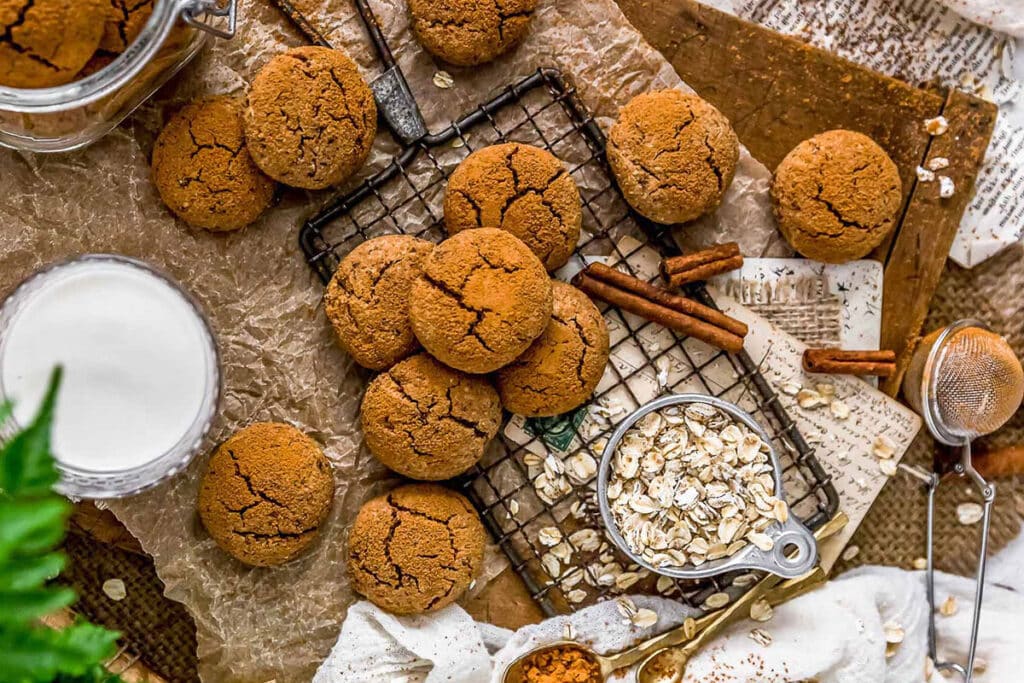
<point x="836" y="196"/>
<point x="483" y="298"/>
<point x="125" y="20"/>
<point x="673" y="155"/>
<point x="203" y="171"/>
<point x="470" y="32"/>
<point x="416" y="549"/>
<point x="47" y="42"/>
<point x="561" y="369"/>
<point x="427" y="421"/>
<point x="367" y="300"/>
<point x="522" y="189"/>
<point x="265" y="493"/>
<point x="311" y="118"/>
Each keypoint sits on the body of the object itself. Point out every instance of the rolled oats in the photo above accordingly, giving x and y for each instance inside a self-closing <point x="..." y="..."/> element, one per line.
<point x="689" y="485"/>
<point x="969" y="513"/>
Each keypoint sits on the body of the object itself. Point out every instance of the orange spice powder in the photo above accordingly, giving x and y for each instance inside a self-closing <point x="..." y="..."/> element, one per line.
<point x="565" y="664"/>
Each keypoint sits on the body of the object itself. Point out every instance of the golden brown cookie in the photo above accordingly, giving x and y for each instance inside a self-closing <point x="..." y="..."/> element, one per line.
<point x="522" y="189"/>
<point x="470" y="32"/>
<point x="416" y="549"/>
<point x="265" y="493"/>
<point x="125" y="20"/>
<point x="311" y="118"/>
<point x="836" y="196"/>
<point x="482" y="300"/>
<point x="203" y="171"/>
<point x="47" y="42"/>
<point x="561" y="369"/>
<point x="673" y="155"/>
<point x="367" y="300"/>
<point x="427" y="421"/>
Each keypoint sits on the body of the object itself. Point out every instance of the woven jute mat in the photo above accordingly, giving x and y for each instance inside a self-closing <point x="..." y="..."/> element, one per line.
<point x="162" y="633"/>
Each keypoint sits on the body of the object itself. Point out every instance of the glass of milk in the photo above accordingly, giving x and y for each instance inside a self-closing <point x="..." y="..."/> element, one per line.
<point x="141" y="371"/>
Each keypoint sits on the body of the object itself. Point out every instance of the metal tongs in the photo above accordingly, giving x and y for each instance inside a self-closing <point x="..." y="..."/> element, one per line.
<point x="966" y="382"/>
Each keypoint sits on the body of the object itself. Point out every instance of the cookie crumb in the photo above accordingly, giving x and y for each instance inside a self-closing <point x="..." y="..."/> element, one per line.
<point x="947" y="188"/>
<point x="924" y="175"/>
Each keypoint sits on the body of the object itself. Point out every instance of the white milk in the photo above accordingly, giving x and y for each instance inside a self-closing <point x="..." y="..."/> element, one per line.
<point x="137" y="361"/>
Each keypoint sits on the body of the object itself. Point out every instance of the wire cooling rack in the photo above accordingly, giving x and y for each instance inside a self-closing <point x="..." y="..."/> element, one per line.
<point x="529" y="524"/>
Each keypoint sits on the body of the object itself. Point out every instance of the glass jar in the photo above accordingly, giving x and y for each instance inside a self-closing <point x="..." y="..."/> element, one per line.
<point x="70" y="116"/>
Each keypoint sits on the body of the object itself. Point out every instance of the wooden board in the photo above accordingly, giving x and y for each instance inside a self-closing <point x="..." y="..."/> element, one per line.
<point x="778" y="91"/>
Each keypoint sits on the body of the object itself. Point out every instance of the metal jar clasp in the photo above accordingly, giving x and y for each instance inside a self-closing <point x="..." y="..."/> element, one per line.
<point x="195" y="9"/>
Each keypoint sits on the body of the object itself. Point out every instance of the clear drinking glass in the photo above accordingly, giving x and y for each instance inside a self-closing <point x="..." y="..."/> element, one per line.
<point x="76" y="114"/>
<point x="115" y="482"/>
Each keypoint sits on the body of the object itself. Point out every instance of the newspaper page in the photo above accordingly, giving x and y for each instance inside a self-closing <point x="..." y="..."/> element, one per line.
<point x="922" y="41"/>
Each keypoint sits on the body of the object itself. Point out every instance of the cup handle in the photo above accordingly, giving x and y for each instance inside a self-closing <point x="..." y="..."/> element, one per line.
<point x="795" y="552"/>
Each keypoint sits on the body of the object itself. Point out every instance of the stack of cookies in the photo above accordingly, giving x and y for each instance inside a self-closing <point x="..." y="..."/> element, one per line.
<point x="458" y="331"/>
<point x="308" y="121"/>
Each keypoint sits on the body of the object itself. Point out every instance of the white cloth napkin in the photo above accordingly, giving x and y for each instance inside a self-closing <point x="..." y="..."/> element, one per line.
<point x="833" y="635"/>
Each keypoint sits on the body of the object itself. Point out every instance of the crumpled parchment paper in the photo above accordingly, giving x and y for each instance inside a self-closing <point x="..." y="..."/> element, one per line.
<point x="280" y="359"/>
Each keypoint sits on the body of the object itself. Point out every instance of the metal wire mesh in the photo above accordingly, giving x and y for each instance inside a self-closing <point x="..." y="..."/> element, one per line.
<point x="407" y="196"/>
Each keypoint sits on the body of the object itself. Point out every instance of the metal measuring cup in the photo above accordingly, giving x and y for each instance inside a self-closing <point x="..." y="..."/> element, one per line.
<point x="795" y="550"/>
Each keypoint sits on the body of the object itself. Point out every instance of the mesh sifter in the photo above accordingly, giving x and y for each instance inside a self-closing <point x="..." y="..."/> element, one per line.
<point x="966" y="382"/>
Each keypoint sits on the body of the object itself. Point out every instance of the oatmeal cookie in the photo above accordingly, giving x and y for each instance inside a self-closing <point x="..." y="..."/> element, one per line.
<point x="367" y="300"/>
<point x="522" y="189"/>
<point x="481" y="301"/>
<point x="416" y="549"/>
<point x="47" y="42"/>
<point x="265" y="493"/>
<point x="561" y="369"/>
<point x="427" y="421"/>
<point x="203" y="171"/>
<point x="836" y="196"/>
<point x="673" y="154"/>
<point x="470" y="32"/>
<point x="311" y="118"/>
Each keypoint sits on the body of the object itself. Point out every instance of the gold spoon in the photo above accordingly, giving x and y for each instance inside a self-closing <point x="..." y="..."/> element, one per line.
<point x="654" y="668"/>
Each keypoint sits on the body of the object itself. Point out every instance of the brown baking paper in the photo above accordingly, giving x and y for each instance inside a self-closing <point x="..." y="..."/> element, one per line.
<point x="280" y="360"/>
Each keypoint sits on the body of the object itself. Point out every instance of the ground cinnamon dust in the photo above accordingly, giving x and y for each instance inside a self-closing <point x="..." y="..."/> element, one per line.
<point x="566" y="664"/>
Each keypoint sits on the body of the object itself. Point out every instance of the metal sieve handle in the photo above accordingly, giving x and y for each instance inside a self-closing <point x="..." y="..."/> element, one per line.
<point x="191" y="12"/>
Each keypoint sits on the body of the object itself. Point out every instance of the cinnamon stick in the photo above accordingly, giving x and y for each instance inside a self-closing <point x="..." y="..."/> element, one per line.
<point x="701" y="265"/>
<point x="840" y="362"/>
<point x="659" y="296"/>
<point x="628" y="299"/>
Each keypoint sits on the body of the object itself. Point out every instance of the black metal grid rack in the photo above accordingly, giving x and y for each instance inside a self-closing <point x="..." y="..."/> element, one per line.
<point x="407" y="195"/>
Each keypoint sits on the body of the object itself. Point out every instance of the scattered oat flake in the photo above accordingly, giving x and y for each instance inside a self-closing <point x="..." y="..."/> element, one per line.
<point x="947" y="188"/>
<point x="665" y="584"/>
<point x="576" y="596"/>
<point x="458" y="142"/>
<point x="920" y="563"/>
<point x="626" y="607"/>
<point x="937" y="125"/>
<point x="887" y="467"/>
<point x="891" y="649"/>
<point x="929" y="668"/>
<point x="948" y="607"/>
<point x="938" y="163"/>
<point x="717" y="600"/>
<point x="969" y="513"/>
<point x="924" y="175"/>
<point x="549" y="536"/>
<point x="761" y="611"/>
<point x="884" y="448"/>
<point x="894" y="633"/>
<point x="513" y="508"/>
<point x="851" y="552"/>
<point x="839" y="410"/>
<point x="808" y="399"/>
<point x="443" y="79"/>
<point x="114" y="589"/>
<point x="644" y="618"/>
<point x="568" y="632"/>
<point x="761" y="637"/>
<point x="790" y="388"/>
